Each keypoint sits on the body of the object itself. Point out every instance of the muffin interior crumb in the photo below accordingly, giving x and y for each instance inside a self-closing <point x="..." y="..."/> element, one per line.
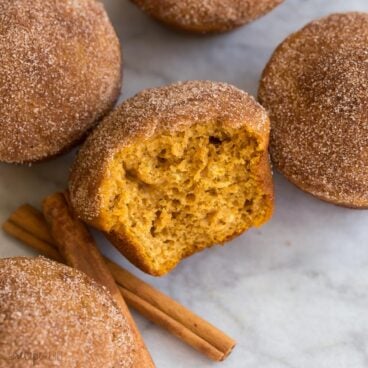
<point x="175" y="192"/>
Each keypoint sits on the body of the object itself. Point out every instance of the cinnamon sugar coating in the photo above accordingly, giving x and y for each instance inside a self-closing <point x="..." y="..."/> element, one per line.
<point x="205" y="16"/>
<point x="153" y="111"/>
<point x="315" y="88"/>
<point x="54" y="316"/>
<point x="191" y="155"/>
<point x="59" y="73"/>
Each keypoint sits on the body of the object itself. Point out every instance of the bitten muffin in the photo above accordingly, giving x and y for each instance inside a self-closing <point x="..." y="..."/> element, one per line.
<point x="54" y="316"/>
<point x="206" y="16"/>
<point x="315" y="88"/>
<point x="174" y="170"/>
<point x="60" y="72"/>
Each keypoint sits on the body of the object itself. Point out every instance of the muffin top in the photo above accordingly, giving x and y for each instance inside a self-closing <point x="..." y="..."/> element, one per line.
<point x="315" y="88"/>
<point x="59" y="73"/>
<point x="54" y="316"/>
<point x="151" y="112"/>
<point x="207" y="15"/>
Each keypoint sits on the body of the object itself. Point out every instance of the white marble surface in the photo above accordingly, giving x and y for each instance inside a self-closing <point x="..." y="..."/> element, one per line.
<point x="293" y="293"/>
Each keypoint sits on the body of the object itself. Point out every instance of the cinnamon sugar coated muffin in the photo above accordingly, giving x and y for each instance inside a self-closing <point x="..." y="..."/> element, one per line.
<point x="59" y="74"/>
<point x="54" y="316"/>
<point x="316" y="90"/>
<point x="205" y="16"/>
<point x="174" y="170"/>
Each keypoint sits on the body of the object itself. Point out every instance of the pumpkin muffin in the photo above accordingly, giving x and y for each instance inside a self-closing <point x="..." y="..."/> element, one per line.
<point x="315" y="89"/>
<point x="60" y="72"/>
<point x="54" y="316"/>
<point x="174" y="170"/>
<point x="206" y="16"/>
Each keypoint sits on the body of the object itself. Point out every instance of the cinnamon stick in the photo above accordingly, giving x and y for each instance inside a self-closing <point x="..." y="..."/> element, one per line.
<point x="29" y="239"/>
<point x="80" y="251"/>
<point x="150" y="302"/>
<point x="210" y="336"/>
<point x="33" y="221"/>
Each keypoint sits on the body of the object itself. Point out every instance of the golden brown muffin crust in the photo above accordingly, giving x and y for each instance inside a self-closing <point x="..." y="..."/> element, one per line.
<point x="315" y="88"/>
<point x="59" y="73"/>
<point x="165" y="110"/>
<point x="206" y="15"/>
<point x="54" y="316"/>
